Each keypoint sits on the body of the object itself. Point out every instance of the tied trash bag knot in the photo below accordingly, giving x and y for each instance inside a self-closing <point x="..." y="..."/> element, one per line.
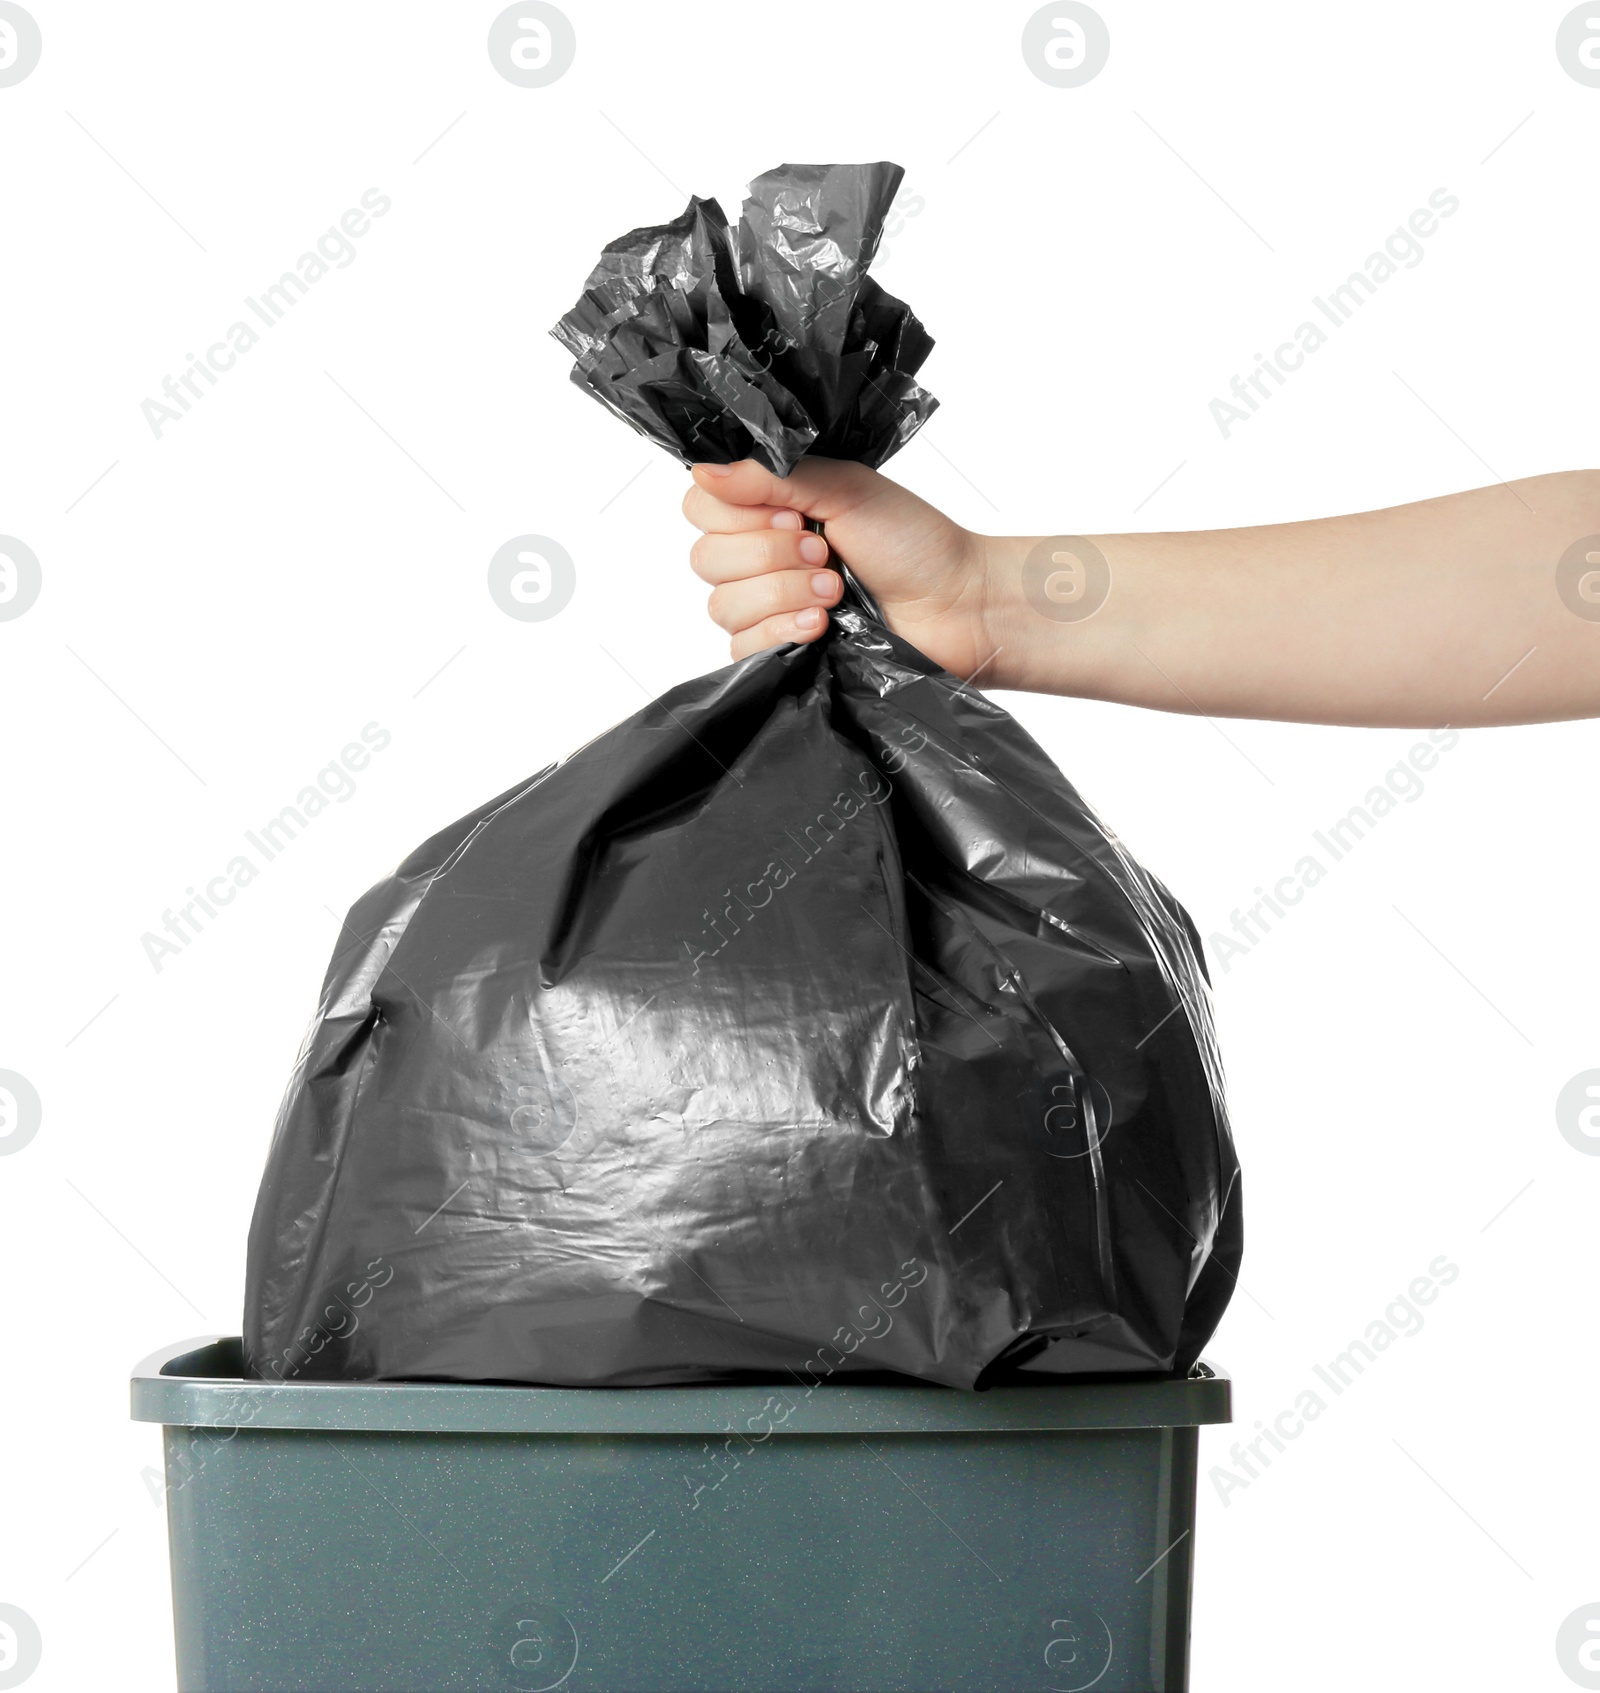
<point x="767" y="341"/>
<point x="808" y="1025"/>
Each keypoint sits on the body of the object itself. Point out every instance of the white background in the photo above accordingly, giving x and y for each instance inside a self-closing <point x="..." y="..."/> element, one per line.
<point x="230" y="603"/>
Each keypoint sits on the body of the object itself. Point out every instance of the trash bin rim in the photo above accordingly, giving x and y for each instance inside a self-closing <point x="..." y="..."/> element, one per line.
<point x="196" y="1384"/>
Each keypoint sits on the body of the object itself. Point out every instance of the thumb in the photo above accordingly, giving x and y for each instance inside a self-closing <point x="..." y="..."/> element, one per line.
<point x="820" y="488"/>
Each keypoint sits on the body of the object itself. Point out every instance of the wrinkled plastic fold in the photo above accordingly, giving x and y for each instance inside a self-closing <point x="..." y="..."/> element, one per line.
<point x="808" y="1024"/>
<point x="765" y="342"/>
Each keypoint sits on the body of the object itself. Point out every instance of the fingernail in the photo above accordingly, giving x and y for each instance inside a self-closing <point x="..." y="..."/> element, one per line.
<point x="786" y="520"/>
<point x="813" y="549"/>
<point x="823" y="584"/>
<point x="716" y="469"/>
<point x="809" y="619"/>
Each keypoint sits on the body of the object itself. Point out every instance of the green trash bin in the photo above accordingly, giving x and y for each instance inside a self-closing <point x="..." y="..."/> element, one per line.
<point x="402" y="1537"/>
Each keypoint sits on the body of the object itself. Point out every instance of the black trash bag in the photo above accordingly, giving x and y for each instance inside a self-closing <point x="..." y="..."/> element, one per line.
<point x="807" y="1024"/>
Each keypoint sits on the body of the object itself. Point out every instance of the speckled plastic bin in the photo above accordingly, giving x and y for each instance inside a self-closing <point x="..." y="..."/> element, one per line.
<point x="425" y="1538"/>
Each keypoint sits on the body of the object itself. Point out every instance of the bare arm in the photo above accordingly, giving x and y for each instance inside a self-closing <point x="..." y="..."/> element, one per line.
<point x="1476" y="608"/>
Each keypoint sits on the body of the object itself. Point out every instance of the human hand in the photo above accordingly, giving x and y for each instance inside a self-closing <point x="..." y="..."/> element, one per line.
<point x="1396" y="617"/>
<point x="770" y="576"/>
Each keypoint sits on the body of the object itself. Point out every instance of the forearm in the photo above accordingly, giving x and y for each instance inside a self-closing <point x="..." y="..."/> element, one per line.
<point x="1447" y="611"/>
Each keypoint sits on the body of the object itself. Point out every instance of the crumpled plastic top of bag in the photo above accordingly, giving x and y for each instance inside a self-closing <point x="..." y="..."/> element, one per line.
<point x="804" y="1026"/>
<point x="766" y="342"/>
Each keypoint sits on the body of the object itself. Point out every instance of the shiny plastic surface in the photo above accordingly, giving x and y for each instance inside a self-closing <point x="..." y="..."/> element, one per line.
<point x="764" y="343"/>
<point x="806" y="1024"/>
